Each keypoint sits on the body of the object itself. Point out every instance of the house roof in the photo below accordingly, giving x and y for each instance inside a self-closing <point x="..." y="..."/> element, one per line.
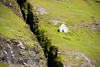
<point x="63" y="26"/>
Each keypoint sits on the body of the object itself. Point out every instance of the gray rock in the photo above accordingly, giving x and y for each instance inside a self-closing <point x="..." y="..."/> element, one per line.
<point x="41" y="11"/>
<point x="84" y="61"/>
<point x="34" y="7"/>
<point x="16" y="55"/>
<point x="71" y="15"/>
<point x="12" y="5"/>
<point x="54" y="22"/>
<point x="97" y="20"/>
<point x="69" y="27"/>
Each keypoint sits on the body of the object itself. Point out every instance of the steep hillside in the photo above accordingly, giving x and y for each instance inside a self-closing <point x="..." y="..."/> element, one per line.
<point x="80" y="46"/>
<point x="18" y="45"/>
<point x="20" y="42"/>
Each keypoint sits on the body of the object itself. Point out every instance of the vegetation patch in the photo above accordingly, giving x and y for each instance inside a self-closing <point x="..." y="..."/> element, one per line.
<point x="3" y="64"/>
<point x="51" y="52"/>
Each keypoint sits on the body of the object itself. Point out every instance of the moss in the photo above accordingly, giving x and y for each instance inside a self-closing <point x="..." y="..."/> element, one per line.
<point x="42" y="61"/>
<point x="25" y="10"/>
<point x="3" y="64"/>
<point x="30" y="43"/>
<point x="25" y="52"/>
<point x="20" y="66"/>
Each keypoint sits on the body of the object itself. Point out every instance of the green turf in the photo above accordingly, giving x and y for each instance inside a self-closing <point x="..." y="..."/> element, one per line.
<point x="3" y="64"/>
<point x="85" y="41"/>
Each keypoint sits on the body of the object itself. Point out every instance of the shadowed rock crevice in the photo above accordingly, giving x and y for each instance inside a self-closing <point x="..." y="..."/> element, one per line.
<point x="49" y="50"/>
<point x="27" y="13"/>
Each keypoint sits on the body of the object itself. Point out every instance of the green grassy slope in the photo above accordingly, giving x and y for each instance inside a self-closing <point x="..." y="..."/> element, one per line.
<point x="13" y="27"/>
<point x="86" y="40"/>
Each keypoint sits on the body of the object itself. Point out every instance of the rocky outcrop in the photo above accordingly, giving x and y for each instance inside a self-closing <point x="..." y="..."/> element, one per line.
<point x="78" y="59"/>
<point x="40" y="10"/>
<point x="12" y="4"/>
<point x="17" y="53"/>
<point x="55" y="22"/>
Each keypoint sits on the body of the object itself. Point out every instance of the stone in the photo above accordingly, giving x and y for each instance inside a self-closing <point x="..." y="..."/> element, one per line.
<point x="4" y="1"/>
<point x="34" y="7"/>
<point x="41" y="11"/>
<point x="71" y="15"/>
<point x="76" y="58"/>
<point x="55" y="22"/>
<point x="22" y="47"/>
<point x="69" y="27"/>
<point x="25" y="64"/>
<point x="15" y="42"/>
<point x="14" y="55"/>
<point x="20" y="44"/>
<point x="8" y="41"/>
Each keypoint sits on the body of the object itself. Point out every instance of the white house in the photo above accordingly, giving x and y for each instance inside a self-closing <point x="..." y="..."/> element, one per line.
<point x="63" y="28"/>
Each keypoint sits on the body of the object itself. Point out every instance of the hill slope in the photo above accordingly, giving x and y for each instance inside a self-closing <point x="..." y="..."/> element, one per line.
<point x="80" y="46"/>
<point x="18" y="45"/>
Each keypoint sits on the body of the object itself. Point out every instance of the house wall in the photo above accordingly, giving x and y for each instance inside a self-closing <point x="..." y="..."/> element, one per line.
<point x="65" y="30"/>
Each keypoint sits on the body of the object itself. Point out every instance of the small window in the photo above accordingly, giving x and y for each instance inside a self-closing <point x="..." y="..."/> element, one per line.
<point x="62" y="30"/>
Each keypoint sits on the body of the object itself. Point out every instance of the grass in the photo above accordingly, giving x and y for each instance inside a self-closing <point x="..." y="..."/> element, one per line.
<point x="3" y="64"/>
<point x="13" y="27"/>
<point x="86" y="41"/>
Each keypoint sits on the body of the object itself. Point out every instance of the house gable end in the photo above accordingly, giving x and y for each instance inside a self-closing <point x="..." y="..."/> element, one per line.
<point x="63" y="28"/>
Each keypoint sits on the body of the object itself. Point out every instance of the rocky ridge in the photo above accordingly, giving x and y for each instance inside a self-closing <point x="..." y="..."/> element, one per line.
<point x="17" y="53"/>
<point x="12" y="4"/>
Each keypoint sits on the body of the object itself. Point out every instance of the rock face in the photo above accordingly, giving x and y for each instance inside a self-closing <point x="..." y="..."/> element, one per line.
<point x="55" y="22"/>
<point x="78" y="59"/>
<point x="40" y="11"/>
<point x="17" y="53"/>
<point x="12" y="4"/>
